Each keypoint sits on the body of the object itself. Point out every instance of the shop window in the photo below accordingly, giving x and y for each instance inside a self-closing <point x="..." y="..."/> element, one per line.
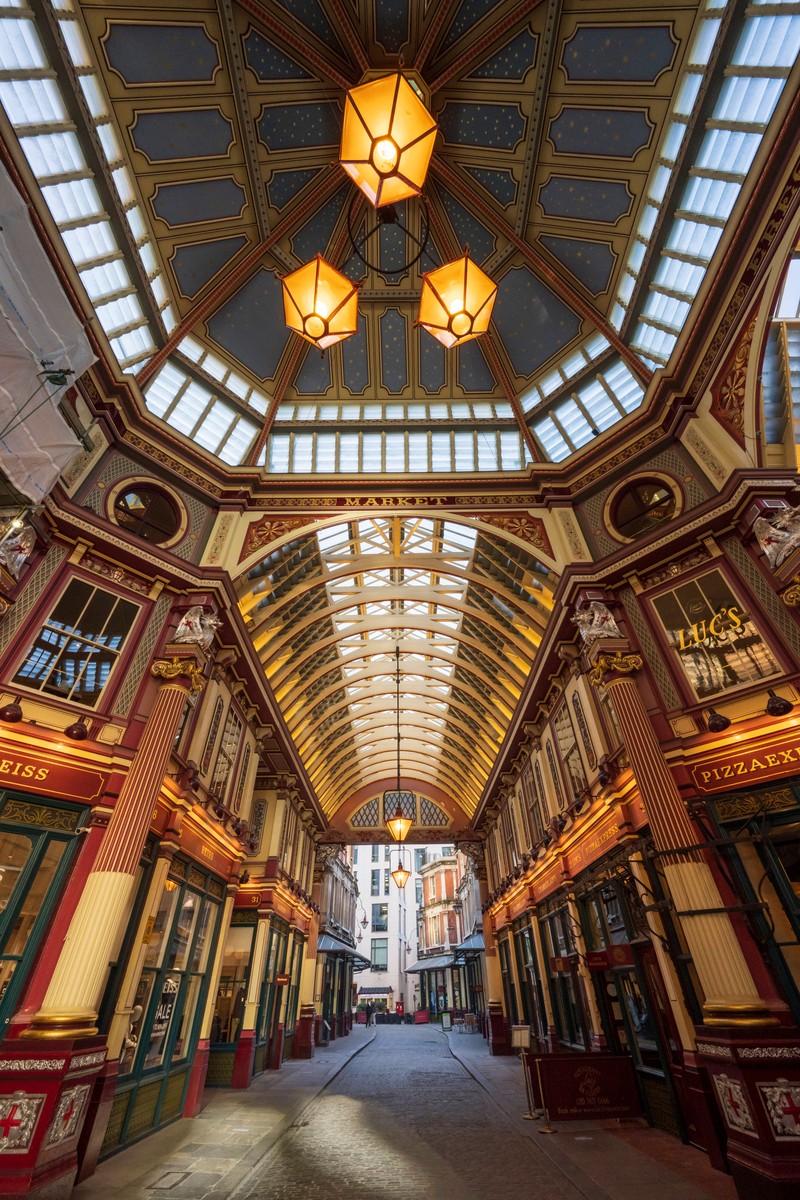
<point x="565" y="983"/>
<point x="642" y="506"/>
<point x="172" y="978"/>
<point x="229" y="1004"/>
<point x="380" y="918"/>
<point x="713" y="637"/>
<point x="79" y="644"/>
<point x="554" y="774"/>
<point x="277" y="950"/>
<point x="379" y="954"/>
<point x="148" y="512"/>
<point x="33" y="862"/>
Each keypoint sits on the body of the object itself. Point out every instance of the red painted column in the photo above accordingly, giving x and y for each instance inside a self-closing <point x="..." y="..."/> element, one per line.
<point x="71" y="1003"/>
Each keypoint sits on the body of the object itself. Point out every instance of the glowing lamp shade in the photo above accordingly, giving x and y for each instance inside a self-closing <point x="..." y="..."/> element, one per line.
<point x="456" y="302"/>
<point x="401" y="874"/>
<point x="387" y="139"/>
<point x="320" y="304"/>
<point x="399" y="825"/>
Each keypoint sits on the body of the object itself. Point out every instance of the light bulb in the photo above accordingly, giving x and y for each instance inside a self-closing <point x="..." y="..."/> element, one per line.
<point x="384" y="156"/>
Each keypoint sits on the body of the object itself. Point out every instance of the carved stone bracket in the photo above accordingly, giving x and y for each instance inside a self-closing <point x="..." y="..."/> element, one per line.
<point x="622" y="664"/>
<point x="173" y="668"/>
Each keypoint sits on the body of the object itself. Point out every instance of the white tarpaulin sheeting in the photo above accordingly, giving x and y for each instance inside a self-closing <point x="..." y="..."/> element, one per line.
<point x="37" y="324"/>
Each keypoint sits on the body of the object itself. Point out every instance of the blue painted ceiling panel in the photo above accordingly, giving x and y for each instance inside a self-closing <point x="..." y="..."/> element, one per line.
<point x="585" y="199"/>
<point x="590" y="262"/>
<point x="500" y="184"/>
<point x="615" y="133"/>
<point x="268" y="62"/>
<point x="511" y="62"/>
<point x="161" y="53"/>
<point x="199" y="200"/>
<point x="394" y="367"/>
<point x="618" y="53"/>
<point x="533" y="323"/>
<point x="495" y="126"/>
<point x="195" y="264"/>
<point x="250" y="325"/>
<point x="292" y="126"/>
<point x="183" y="134"/>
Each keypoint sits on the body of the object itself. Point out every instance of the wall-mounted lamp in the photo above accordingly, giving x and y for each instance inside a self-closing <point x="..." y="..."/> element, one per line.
<point x="11" y="712"/>
<point x="78" y="731"/>
<point x="716" y="722"/>
<point x="778" y="706"/>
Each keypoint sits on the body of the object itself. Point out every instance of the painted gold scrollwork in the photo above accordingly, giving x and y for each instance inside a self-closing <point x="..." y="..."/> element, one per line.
<point x="791" y="596"/>
<point x="164" y="668"/>
<point x="624" y="664"/>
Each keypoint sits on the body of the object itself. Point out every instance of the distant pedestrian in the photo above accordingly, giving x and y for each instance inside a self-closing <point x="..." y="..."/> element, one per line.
<point x="370" y="1014"/>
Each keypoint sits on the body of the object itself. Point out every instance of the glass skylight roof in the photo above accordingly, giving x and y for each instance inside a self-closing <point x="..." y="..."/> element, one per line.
<point x="467" y="615"/>
<point x="95" y="201"/>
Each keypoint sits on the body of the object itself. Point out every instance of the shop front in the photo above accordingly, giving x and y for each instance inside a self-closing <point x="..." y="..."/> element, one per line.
<point x="169" y="1000"/>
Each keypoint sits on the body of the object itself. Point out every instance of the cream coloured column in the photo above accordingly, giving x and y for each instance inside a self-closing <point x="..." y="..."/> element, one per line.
<point x="731" y="996"/>
<point x="257" y="963"/>
<point x="71" y="1003"/>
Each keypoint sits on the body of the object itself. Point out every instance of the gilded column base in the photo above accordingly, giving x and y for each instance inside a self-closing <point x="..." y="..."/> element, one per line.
<point x="746" y="1015"/>
<point x="62" y="1025"/>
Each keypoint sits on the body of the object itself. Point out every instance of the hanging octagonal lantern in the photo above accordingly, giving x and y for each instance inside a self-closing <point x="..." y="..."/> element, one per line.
<point x="456" y="302"/>
<point x="387" y="139"/>
<point x="320" y="303"/>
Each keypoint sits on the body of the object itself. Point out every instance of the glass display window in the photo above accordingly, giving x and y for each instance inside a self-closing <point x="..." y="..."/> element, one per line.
<point x="714" y="638"/>
<point x="233" y="983"/>
<point x="33" y="865"/>
<point x="173" y="977"/>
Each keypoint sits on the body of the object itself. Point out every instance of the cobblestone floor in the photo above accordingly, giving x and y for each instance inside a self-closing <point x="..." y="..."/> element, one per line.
<point x="405" y="1119"/>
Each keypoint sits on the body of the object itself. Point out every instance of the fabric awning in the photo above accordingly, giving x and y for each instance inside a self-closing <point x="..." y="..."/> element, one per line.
<point x="328" y="944"/>
<point x="437" y="963"/>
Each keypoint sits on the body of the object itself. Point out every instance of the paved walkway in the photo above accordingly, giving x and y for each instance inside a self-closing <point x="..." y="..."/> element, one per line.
<point x="399" y="1110"/>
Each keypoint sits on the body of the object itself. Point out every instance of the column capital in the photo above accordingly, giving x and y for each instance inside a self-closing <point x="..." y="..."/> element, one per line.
<point x="619" y="662"/>
<point x="182" y="664"/>
<point x="791" y="596"/>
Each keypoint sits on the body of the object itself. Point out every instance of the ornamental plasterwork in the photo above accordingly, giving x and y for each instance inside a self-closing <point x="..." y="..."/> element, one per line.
<point x="791" y="597"/>
<point x="751" y="804"/>
<point x="693" y="438"/>
<point x="528" y="529"/>
<point x="19" y="1115"/>
<point x="99" y="566"/>
<point x="79" y="1062"/>
<point x="624" y="664"/>
<point x="572" y="532"/>
<point x="220" y="537"/>
<point x="32" y="1064"/>
<point x="771" y="231"/>
<point x="595" y="622"/>
<point x="790" y="1052"/>
<point x="67" y="1117"/>
<point x="701" y="522"/>
<point x="733" y="1103"/>
<point x="713" y="1051"/>
<point x="268" y="530"/>
<point x="39" y="814"/>
<point x="781" y="1102"/>
<point x="728" y="393"/>
<point x="173" y="668"/>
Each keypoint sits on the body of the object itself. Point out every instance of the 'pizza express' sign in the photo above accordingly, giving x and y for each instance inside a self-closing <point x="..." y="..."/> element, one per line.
<point x="740" y="765"/>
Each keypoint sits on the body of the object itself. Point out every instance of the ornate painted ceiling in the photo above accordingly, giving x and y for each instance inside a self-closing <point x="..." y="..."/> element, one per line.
<point x="589" y="155"/>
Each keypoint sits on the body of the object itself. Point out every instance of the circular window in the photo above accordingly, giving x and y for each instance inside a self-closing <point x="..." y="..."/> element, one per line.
<point x="641" y="506"/>
<point x="147" y="512"/>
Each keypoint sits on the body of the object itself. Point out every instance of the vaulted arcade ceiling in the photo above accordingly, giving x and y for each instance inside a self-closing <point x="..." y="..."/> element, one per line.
<point x="589" y="155"/>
